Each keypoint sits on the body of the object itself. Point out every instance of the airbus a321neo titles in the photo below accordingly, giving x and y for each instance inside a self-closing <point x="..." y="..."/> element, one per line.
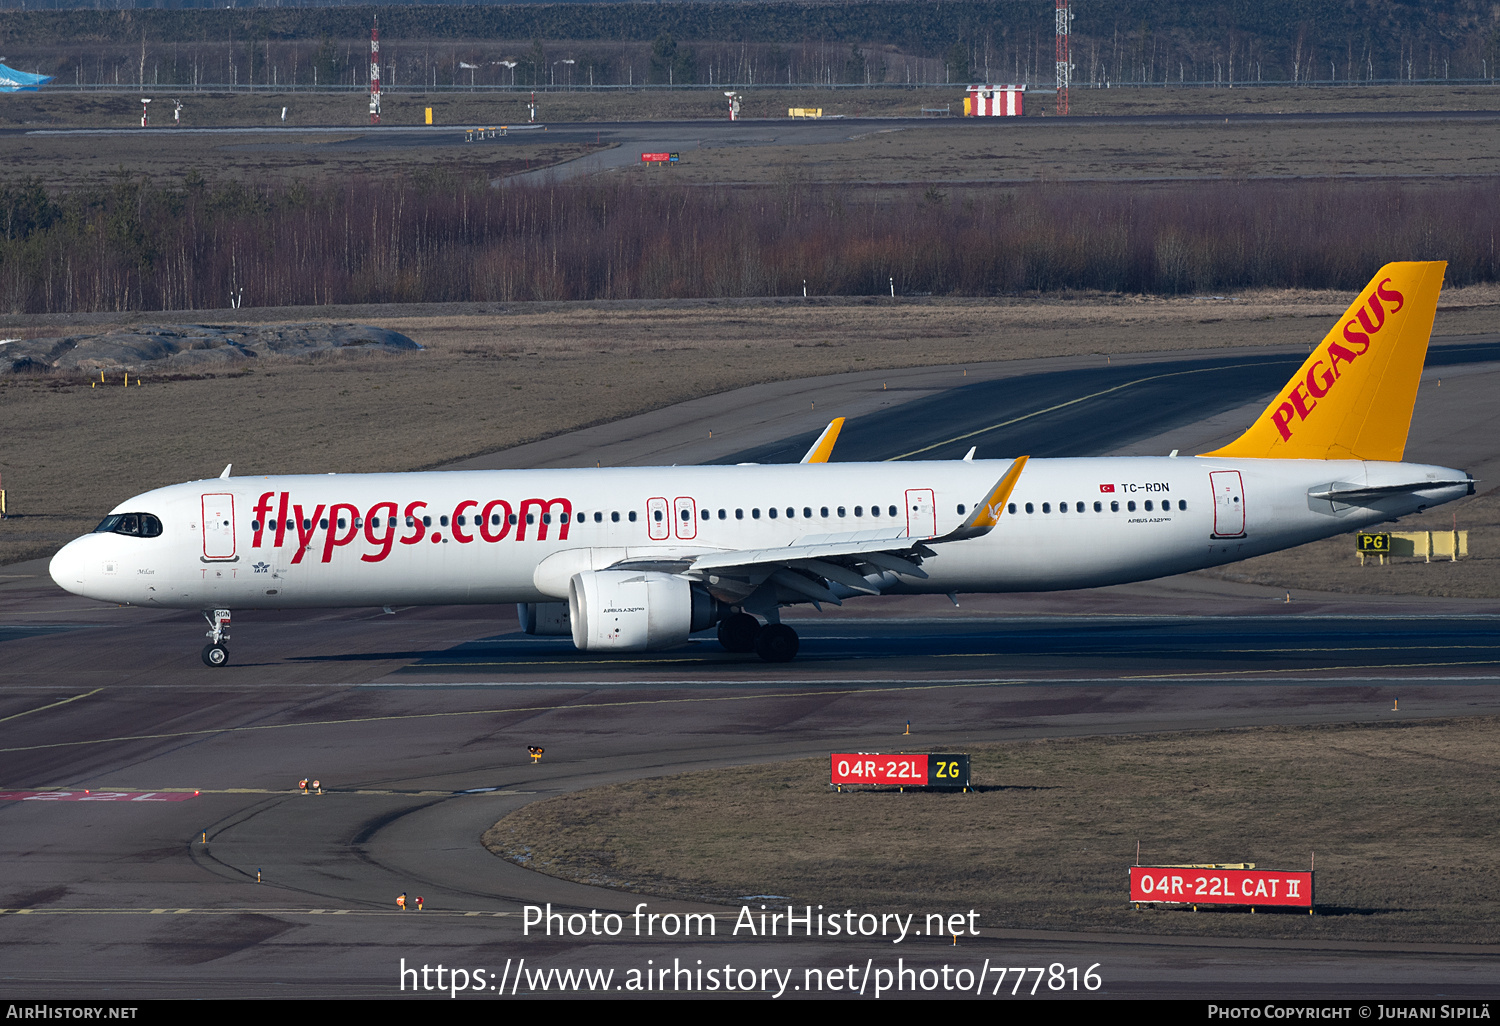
<point x="636" y="559"/>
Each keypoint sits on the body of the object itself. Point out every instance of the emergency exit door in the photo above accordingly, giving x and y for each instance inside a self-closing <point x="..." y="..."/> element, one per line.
<point x="921" y="513"/>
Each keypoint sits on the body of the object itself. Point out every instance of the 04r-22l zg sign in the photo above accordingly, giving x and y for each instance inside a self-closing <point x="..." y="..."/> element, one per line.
<point x="907" y="769"/>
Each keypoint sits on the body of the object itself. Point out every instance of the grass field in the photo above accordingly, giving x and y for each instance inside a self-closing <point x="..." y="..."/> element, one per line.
<point x="949" y="151"/>
<point x="56" y="109"/>
<point x="1398" y="816"/>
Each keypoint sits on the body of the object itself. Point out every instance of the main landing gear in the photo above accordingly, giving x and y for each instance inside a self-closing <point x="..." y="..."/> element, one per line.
<point x="775" y="642"/>
<point x="215" y="653"/>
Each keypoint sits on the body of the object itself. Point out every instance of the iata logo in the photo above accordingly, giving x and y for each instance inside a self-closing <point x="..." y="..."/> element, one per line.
<point x="1323" y="373"/>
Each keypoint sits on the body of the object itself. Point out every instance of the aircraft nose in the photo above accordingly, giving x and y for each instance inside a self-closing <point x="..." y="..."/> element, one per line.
<point x="68" y="566"/>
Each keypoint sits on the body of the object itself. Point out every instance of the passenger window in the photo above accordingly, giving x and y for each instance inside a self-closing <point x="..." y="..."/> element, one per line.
<point x="410" y="522"/>
<point x="755" y="513"/>
<point x="1148" y="505"/>
<point x="632" y="516"/>
<point x="1046" y="507"/>
<point x="1062" y="507"/>
<point x="562" y="518"/>
<point x="1114" y="507"/>
<point x="859" y="511"/>
<point x="1130" y="505"/>
<point x="341" y="523"/>
<point x="807" y="512"/>
<point x="495" y="519"/>
<point x="705" y="514"/>
<point x="1182" y="504"/>
<point x="686" y="515"/>
<point x="443" y="520"/>
<point x="323" y="523"/>
<point x="358" y="523"/>
<point x="513" y="518"/>
<point x="892" y="510"/>
<point x="1098" y="507"/>
<point x="739" y="514"/>
<point x="614" y="518"/>
<point x="841" y="512"/>
<point x="824" y="512"/>
<point x="546" y="518"/>
<point x="656" y="516"/>
<point x="772" y="512"/>
<point x="961" y="508"/>
<point x="723" y="514"/>
<point x="1030" y="508"/>
<point x="1009" y="509"/>
<point x="426" y="521"/>
<point x="791" y="513"/>
<point x="255" y="525"/>
<point x="874" y="511"/>
<point x="531" y="518"/>
<point x="598" y="518"/>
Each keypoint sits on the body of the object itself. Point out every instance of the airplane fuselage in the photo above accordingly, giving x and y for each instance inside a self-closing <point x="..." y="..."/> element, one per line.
<point x="519" y="536"/>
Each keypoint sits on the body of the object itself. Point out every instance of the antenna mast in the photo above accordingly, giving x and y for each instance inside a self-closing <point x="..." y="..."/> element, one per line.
<point x="375" y="72"/>
<point x="1064" y="64"/>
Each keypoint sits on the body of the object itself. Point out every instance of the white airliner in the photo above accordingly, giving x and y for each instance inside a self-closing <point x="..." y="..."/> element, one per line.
<point x="638" y="559"/>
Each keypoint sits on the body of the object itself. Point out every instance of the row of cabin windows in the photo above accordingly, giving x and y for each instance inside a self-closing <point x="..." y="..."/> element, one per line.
<point x="1114" y="507"/>
<point x="580" y="517"/>
<point x="657" y="515"/>
<point x="774" y="513"/>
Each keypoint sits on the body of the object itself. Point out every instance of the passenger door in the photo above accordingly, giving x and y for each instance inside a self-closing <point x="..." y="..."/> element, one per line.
<point x="218" y="527"/>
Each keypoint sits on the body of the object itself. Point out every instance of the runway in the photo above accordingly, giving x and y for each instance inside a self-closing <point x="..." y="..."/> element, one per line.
<point x="417" y="727"/>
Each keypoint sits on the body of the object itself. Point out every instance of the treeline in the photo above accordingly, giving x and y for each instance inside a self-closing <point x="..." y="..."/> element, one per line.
<point x="1113" y="41"/>
<point x="137" y="246"/>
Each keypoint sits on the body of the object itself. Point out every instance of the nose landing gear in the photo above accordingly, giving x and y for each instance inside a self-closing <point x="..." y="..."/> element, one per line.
<point x="215" y="653"/>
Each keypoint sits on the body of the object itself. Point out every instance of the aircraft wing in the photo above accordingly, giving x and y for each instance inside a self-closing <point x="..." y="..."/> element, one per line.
<point x="860" y="561"/>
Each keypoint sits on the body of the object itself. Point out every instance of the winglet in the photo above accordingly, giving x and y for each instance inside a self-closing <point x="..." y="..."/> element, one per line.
<point x="227" y="467"/>
<point x="823" y="447"/>
<point x="1353" y="397"/>
<point x="987" y="513"/>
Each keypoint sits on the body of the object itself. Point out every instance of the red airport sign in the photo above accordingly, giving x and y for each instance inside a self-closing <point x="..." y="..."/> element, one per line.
<point x="904" y="770"/>
<point x="1194" y="885"/>
<point x="658" y="158"/>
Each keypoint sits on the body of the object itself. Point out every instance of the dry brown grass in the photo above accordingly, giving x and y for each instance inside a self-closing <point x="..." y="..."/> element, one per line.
<point x="71" y="162"/>
<point x="496" y="377"/>
<point x="948" y="150"/>
<point x="1399" y="815"/>
<point x="1077" y="149"/>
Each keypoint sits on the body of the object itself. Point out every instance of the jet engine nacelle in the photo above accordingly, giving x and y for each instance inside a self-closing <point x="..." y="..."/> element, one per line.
<point x="634" y="611"/>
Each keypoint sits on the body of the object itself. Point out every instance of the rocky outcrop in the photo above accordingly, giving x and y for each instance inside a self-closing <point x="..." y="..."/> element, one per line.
<point x="192" y="348"/>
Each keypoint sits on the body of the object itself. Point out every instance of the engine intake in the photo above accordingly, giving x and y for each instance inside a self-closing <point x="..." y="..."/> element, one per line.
<point x="634" y="611"/>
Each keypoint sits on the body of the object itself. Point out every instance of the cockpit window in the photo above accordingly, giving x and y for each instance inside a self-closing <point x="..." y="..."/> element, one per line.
<point x="137" y="525"/>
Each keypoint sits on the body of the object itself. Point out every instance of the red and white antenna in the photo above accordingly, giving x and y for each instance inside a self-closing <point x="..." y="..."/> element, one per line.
<point x="375" y="73"/>
<point x="1064" y="63"/>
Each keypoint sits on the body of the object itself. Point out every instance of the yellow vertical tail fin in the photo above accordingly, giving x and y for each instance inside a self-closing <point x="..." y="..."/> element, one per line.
<point x="1353" y="397"/>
